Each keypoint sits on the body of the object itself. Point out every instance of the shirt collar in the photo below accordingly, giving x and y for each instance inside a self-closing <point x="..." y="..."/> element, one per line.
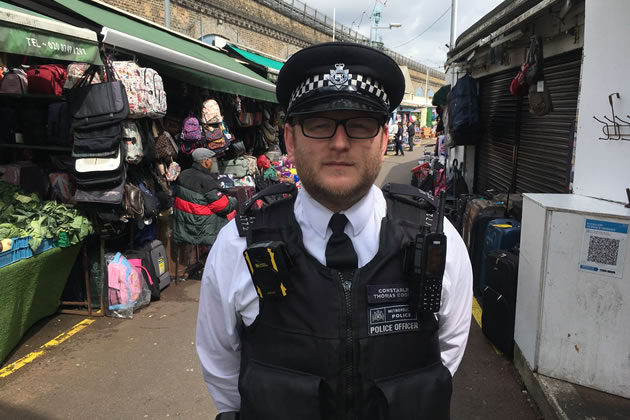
<point x="359" y="215"/>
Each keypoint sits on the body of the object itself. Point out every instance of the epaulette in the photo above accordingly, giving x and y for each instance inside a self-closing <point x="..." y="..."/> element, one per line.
<point x="412" y="204"/>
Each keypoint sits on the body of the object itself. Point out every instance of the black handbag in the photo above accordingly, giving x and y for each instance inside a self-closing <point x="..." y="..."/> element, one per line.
<point x="96" y="142"/>
<point x="98" y="105"/>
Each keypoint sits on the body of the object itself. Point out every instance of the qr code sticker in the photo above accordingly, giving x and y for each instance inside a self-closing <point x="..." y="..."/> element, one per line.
<point x="603" y="250"/>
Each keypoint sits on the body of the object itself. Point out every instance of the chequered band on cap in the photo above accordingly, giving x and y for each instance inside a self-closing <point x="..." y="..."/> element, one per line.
<point x="366" y="84"/>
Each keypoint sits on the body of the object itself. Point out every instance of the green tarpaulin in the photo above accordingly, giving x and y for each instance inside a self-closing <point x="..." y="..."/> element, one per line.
<point x="30" y="290"/>
<point x="27" y="33"/>
<point x="440" y="97"/>
<point x="258" y="59"/>
<point x="152" y="34"/>
<point x="34" y="42"/>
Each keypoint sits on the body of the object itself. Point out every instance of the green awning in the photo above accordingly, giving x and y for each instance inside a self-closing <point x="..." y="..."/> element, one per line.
<point x="258" y="59"/>
<point x="184" y="57"/>
<point x="27" y="33"/>
<point x="440" y="97"/>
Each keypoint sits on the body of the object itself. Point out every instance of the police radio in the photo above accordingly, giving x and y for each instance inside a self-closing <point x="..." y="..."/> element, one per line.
<point x="429" y="261"/>
<point x="269" y="264"/>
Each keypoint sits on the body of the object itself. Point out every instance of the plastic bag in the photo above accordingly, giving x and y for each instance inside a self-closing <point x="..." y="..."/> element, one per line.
<point x="126" y="289"/>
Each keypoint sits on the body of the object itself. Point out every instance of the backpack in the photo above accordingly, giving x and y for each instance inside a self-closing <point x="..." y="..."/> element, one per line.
<point x="130" y="74"/>
<point x="191" y="129"/>
<point x="137" y="259"/>
<point x="237" y="167"/>
<point x="14" y="81"/>
<point x="463" y="106"/>
<point x="156" y="94"/>
<point x="191" y="135"/>
<point x="47" y="79"/>
<point x="151" y="204"/>
<point x="124" y="284"/>
<point x="211" y="113"/>
<point x="134" y="202"/>
<point x="132" y="142"/>
<point x="152" y="94"/>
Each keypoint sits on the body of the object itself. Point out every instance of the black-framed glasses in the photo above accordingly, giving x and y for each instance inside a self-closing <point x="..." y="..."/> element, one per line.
<point x="355" y="128"/>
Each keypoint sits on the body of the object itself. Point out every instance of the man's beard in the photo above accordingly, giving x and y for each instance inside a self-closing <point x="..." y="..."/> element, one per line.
<point x="336" y="198"/>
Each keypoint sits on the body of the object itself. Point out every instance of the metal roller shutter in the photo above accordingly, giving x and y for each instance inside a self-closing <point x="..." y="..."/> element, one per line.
<point x="544" y="155"/>
<point x="540" y="145"/>
<point x="493" y="166"/>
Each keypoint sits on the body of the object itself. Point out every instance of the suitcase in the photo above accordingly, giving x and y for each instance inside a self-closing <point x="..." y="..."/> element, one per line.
<point x="460" y="210"/>
<point x="499" y="299"/>
<point x="473" y="207"/>
<point x="477" y="240"/>
<point x="500" y="234"/>
<point x="157" y="262"/>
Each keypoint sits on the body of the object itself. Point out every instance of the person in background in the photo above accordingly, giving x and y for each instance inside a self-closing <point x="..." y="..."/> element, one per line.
<point x="411" y="130"/>
<point x="201" y="207"/>
<point x="343" y="338"/>
<point x="399" y="139"/>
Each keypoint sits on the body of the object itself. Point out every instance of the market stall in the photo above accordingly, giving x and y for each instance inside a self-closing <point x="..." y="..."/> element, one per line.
<point x="113" y="163"/>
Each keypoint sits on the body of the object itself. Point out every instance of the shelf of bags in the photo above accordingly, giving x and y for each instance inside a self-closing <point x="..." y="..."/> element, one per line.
<point x="35" y="96"/>
<point x="37" y="146"/>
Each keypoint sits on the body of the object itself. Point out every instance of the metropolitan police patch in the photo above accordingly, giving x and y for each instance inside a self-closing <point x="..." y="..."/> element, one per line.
<point x="391" y="320"/>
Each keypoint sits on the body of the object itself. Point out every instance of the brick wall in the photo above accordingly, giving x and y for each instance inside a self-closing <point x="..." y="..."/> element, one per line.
<point x="244" y="22"/>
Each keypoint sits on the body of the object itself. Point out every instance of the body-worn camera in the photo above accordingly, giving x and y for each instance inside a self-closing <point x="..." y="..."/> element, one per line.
<point x="269" y="264"/>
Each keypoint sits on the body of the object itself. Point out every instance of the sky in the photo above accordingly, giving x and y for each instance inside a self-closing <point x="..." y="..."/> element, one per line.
<point x="416" y="16"/>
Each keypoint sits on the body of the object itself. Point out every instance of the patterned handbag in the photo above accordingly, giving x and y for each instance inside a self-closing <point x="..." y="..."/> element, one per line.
<point x="173" y="171"/>
<point x="213" y="132"/>
<point x="165" y="146"/>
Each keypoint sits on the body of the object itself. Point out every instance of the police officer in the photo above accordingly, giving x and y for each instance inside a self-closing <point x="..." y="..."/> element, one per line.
<point x="340" y="335"/>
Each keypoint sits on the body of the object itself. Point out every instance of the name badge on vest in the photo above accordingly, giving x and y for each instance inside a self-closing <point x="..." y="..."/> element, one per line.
<point x="391" y="293"/>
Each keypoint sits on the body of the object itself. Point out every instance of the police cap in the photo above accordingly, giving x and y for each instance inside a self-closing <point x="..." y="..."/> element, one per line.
<point x="339" y="76"/>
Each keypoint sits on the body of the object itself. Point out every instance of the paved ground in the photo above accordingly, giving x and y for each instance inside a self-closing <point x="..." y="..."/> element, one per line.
<point x="146" y="368"/>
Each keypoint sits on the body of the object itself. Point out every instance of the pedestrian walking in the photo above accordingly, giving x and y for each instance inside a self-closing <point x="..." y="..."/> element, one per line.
<point x="306" y="308"/>
<point x="399" y="140"/>
<point x="411" y="132"/>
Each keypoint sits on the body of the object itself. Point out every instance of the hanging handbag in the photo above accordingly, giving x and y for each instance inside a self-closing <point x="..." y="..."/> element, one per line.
<point x="213" y="132"/>
<point x="540" y="100"/>
<point x="534" y="72"/>
<point x="98" y="105"/>
<point x="173" y="171"/>
<point x="133" y="201"/>
<point x="165" y="146"/>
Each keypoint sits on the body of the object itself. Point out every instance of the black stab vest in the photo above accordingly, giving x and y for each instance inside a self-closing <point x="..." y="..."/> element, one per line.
<point x="325" y="353"/>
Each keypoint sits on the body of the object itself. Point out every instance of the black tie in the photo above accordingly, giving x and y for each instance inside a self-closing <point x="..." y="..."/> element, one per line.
<point x="340" y="253"/>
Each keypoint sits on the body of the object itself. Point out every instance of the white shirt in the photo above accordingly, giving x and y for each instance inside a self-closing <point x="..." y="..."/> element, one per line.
<point x="228" y="299"/>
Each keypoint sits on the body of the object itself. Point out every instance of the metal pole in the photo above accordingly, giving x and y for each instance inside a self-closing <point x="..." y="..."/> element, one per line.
<point x="167" y="13"/>
<point x="334" y="24"/>
<point x="426" y="88"/>
<point x="453" y="23"/>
